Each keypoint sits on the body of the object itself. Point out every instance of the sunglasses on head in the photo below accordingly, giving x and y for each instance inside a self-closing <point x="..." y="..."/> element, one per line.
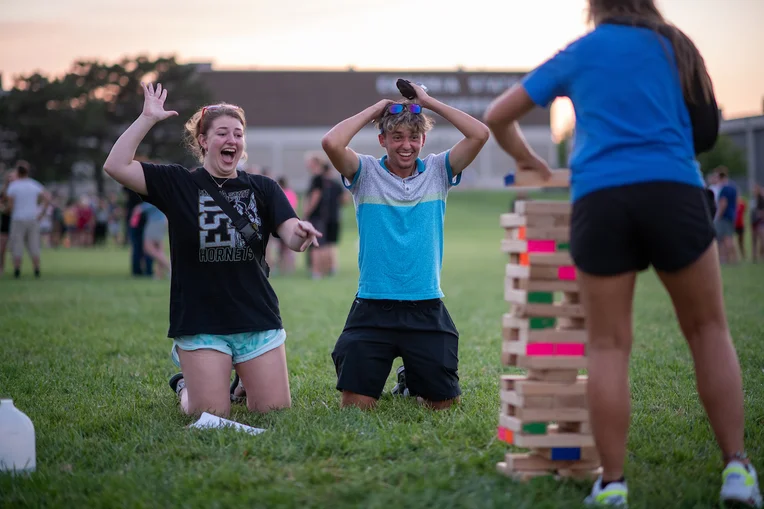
<point x="396" y="109"/>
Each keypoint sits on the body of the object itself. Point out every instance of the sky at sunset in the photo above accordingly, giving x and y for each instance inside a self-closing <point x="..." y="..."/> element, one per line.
<point x="48" y="35"/>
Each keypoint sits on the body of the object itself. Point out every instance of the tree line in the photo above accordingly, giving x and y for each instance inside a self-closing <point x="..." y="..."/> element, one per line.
<point x="55" y="123"/>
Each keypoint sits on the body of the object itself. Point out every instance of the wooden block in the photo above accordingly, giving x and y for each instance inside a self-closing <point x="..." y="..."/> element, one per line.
<point x="531" y="272"/>
<point x="559" y="178"/>
<point x="530" y="428"/>
<point x="571" y="400"/>
<point x="518" y="329"/>
<point x="554" y="285"/>
<point x="543" y="208"/>
<point x="586" y="474"/>
<point x="523" y="386"/>
<point x="548" y="310"/>
<point x="553" y="375"/>
<point x="512" y="220"/>
<point x="550" y="259"/>
<point x="525" y="476"/>
<point x="534" y="462"/>
<point x="550" y="440"/>
<point x="527" y="402"/>
<point x="527" y="415"/>
<point x="588" y="454"/>
<point x="557" y="234"/>
<point x="544" y="349"/>
<point x="567" y="323"/>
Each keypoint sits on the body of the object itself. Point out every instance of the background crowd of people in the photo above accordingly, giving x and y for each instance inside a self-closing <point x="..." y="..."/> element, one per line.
<point x="47" y="219"/>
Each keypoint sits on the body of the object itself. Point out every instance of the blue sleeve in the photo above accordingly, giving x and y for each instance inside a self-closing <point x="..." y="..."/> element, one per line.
<point x="551" y="79"/>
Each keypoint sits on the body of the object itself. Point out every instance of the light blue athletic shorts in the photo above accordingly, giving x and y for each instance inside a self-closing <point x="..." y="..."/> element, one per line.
<point x="242" y="347"/>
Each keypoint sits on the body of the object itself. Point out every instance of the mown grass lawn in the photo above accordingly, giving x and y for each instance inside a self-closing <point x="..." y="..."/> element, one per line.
<point x="84" y="353"/>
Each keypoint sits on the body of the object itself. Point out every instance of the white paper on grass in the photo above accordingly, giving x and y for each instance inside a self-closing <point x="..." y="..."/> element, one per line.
<point x="213" y="421"/>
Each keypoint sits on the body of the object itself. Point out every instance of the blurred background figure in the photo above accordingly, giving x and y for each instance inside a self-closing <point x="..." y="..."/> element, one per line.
<point x="8" y="176"/>
<point x="153" y="232"/>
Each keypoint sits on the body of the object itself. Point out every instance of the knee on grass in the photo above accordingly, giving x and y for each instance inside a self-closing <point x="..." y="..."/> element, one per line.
<point x="438" y="405"/>
<point x="351" y="399"/>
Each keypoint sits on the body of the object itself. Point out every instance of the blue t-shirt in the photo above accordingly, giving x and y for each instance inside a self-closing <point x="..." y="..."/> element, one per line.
<point x="730" y="193"/>
<point x="632" y="124"/>
<point x="400" y="225"/>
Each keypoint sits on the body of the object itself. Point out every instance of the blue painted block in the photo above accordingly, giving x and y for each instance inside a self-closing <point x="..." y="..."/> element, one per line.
<point x="509" y="179"/>
<point x="566" y="454"/>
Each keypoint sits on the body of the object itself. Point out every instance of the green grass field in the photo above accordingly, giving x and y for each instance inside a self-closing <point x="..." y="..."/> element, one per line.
<point x="84" y="353"/>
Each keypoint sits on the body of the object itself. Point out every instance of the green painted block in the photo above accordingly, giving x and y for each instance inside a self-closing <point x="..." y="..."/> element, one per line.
<point x="563" y="246"/>
<point x="541" y="297"/>
<point x="535" y="428"/>
<point x="542" y="323"/>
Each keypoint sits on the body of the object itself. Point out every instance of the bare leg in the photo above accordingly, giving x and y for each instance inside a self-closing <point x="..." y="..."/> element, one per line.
<point x="207" y="374"/>
<point x="607" y="302"/>
<point x="351" y="399"/>
<point x="266" y="381"/>
<point x="697" y="296"/>
<point x="437" y="405"/>
<point x="3" y="249"/>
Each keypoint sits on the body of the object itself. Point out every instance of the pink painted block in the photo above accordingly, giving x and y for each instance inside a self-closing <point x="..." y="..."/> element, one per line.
<point x="567" y="273"/>
<point x="540" y="349"/>
<point x="571" y="349"/>
<point x="541" y="246"/>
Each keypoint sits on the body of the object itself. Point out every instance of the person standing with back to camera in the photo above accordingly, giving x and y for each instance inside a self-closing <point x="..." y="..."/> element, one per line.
<point x="223" y="309"/>
<point x="638" y="200"/>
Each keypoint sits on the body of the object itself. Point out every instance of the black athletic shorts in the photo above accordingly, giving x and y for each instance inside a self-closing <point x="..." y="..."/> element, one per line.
<point x="420" y="332"/>
<point x="628" y="228"/>
<point x="5" y="223"/>
<point x="330" y="230"/>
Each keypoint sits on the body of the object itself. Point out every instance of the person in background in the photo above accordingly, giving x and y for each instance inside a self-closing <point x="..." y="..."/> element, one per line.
<point x="740" y="226"/>
<point x="757" y="222"/>
<point x="28" y="203"/>
<point x="154" y="233"/>
<point x="5" y="215"/>
<point x="285" y="256"/>
<point x="724" y="221"/>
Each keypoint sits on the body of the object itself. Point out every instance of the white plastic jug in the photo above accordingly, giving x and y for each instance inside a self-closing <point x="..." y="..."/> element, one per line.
<point x="17" y="442"/>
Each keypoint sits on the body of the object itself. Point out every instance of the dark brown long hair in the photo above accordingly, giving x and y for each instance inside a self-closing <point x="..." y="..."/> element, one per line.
<point x="689" y="61"/>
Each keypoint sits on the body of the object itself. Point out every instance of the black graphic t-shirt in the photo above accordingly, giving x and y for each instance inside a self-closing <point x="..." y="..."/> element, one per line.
<point x="217" y="284"/>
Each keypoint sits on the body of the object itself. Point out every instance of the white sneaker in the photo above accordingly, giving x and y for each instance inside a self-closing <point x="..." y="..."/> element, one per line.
<point x="740" y="484"/>
<point x="615" y="494"/>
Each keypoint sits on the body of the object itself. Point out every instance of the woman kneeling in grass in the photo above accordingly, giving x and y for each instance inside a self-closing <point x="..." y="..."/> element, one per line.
<point x="223" y="310"/>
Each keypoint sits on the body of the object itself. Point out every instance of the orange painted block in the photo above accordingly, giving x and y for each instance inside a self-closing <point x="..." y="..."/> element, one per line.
<point x="521" y="233"/>
<point x="506" y="435"/>
<point x="525" y="259"/>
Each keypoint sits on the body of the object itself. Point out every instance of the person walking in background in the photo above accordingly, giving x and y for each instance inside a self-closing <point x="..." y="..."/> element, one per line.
<point x="740" y="225"/>
<point x="757" y="222"/>
<point x="154" y="232"/>
<point x="638" y="200"/>
<point x="285" y="256"/>
<point x="26" y="195"/>
<point x="5" y="215"/>
<point x="724" y="221"/>
<point x="323" y="205"/>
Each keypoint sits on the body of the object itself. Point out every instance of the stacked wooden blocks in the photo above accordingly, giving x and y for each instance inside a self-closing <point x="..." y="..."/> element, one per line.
<point x="544" y="333"/>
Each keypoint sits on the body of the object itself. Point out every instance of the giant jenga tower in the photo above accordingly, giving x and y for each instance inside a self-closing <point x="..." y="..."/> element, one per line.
<point x="544" y="333"/>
